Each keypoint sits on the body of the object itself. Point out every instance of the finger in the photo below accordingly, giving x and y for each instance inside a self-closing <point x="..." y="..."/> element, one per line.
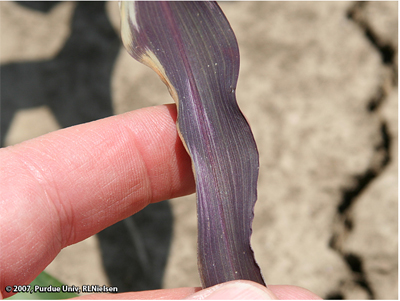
<point x="290" y="292"/>
<point x="65" y="186"/>
<point x="248" y="290"/>
<point x="234" y="290"/>
<point x="162" y="294"/>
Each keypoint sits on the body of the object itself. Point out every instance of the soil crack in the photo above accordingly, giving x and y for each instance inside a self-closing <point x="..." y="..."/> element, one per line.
<point x="344" y="223"/>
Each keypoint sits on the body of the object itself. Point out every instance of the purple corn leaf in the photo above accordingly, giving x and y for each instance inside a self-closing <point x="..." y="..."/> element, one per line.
<point x="194" y="50"/>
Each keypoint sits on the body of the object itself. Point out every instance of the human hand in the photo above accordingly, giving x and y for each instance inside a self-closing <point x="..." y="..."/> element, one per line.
<point x="63" y="187"/>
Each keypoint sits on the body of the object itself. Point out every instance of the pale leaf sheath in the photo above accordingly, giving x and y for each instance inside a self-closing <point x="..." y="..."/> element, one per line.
<point x="194" y="50"/>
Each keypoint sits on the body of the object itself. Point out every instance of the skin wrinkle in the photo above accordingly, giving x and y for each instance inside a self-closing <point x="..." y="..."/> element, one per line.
<point x="151" y="140"/>
<point x="168" y="175"/>
<point x="44" y="185"/>
<point x="142" y="183"/>
<point x="65" y="212"/>
<point x="172" y="172"/>
<point x="63" y="208"/>
<point x="136" y="138"/>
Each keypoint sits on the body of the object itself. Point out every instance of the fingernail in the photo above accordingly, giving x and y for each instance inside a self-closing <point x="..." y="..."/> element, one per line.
<point x="236" y="290"/>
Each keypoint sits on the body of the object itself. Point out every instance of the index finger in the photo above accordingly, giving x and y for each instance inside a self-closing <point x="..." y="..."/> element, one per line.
<point x="65" y="186"/>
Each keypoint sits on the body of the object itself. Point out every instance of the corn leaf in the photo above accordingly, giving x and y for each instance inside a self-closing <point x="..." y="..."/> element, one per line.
<point x="193" y="49"/>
